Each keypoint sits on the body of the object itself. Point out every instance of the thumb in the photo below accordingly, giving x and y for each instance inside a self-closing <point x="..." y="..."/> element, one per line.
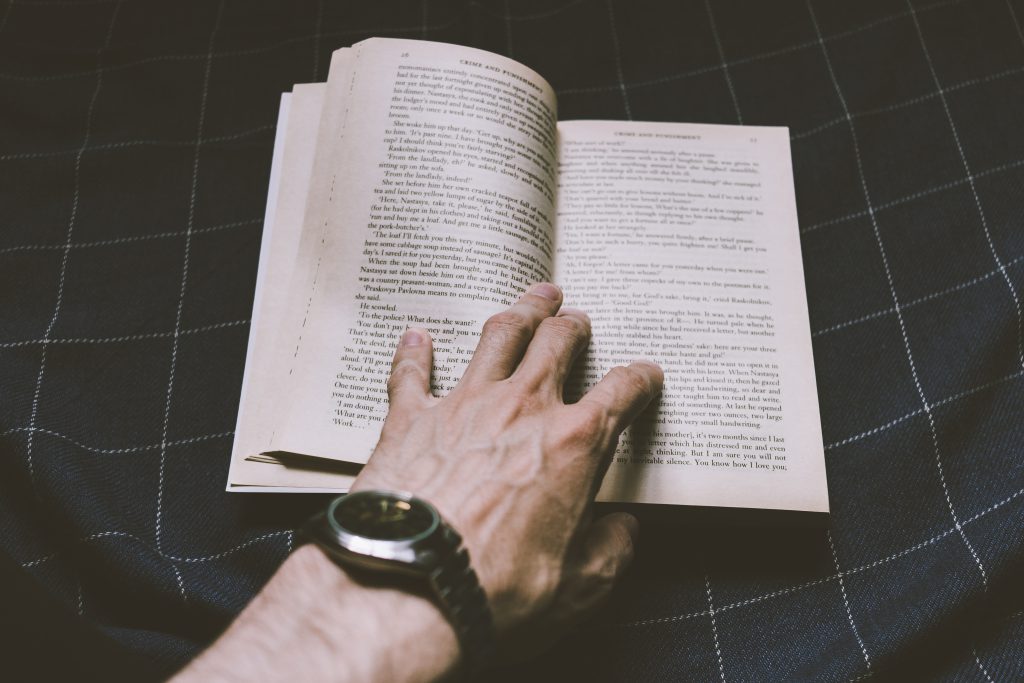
<point x="604" y="555"/>
<point x="607" y="552"/>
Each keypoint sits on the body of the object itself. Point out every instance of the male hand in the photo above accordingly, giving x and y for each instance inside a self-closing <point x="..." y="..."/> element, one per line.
<point x="507" y="463"/>
<point x="513" y="468"/>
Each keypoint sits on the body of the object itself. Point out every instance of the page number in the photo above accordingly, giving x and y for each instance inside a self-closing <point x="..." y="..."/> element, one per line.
<point x="753" y="140"/>
<point x="405" y="54"/>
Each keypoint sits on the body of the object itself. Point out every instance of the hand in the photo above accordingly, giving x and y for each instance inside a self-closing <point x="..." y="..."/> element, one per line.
<point x="513" y="468"/>
<point x="510" y="466"/>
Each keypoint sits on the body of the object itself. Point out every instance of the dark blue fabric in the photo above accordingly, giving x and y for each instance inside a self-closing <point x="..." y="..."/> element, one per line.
<point x="135" y="144"/>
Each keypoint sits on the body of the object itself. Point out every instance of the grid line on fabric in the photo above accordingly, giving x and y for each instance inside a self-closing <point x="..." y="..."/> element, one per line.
<point x="117" y="451"/>
<point x="173" y="558"/>
<point x="134" y="238"/>
<point x="919" y="300"/>
<point x="140" y="143"/>
<point x="970" y="178"/>
<point x="831" y="446"/>
<point x="67" y="250"/>
<point x="184" y="280"/>
<point x="724" y="64"/>
<point x="846" y="603"/>
<point x="158" y="531"/>
<point x="714" y="626"/>
<point x="833" y="577"/>
<point x="532" y="16"/>
<point x="833" y="221"/>
<point x="1016" y="23"/>
<point x="242" y="52"/>
<point x="754" y="58"/>
<point x="974" y="190"/>
<point x="935" y="404"/>
<point x="981" y="667"/>
<point x="990" y="629"/>
<point x="64" y="3"/>
<point x="918" y="99"/>
<point x="125" y="337"/>
<point x="798" y="135"/>
<point x="895" y="300"/>
<point x="915" y="195"/>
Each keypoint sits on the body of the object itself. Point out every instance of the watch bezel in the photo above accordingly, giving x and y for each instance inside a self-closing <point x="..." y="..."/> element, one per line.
<point x="374" y="552"/>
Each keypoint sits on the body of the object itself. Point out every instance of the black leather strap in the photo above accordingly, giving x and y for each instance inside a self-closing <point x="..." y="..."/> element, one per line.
<point x="459" y="590"/>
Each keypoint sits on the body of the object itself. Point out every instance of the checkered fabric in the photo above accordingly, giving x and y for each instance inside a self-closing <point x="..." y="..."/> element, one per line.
<point x="135" y="146"/>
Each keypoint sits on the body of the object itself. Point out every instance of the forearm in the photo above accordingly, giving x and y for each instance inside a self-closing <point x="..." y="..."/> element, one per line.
<point x="313" y="622"/>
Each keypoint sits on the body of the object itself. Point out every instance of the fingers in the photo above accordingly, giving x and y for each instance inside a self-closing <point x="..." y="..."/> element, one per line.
<point x="624" y="393"/>
<point x="506" y="335"/>
<point x="409" y="383"/>
<point x="556" y="344"/>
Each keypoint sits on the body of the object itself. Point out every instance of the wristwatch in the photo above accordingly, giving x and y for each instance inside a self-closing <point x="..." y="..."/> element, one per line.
<point x="387" y="534"/>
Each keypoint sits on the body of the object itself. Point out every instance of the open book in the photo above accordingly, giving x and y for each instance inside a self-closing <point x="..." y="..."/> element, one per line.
<point x="428" y="184"/>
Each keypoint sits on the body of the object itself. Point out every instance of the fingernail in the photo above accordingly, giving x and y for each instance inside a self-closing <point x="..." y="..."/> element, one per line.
<point x="546" y="290"/>
<point x="413" y="337"/>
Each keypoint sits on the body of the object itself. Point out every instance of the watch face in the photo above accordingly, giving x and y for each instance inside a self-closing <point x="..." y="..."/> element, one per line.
<point x="382" y="516"/>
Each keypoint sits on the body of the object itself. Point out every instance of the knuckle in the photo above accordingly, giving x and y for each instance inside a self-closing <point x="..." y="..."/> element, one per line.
<point x="606" y="572"/>
<point x="507" y="325"/>
<point x="403" y="372"/>
<point x="606" y="567"/>
<point x="632" y="380"/>
<point x="589" y="425"/>
<point x="564" y="326"/>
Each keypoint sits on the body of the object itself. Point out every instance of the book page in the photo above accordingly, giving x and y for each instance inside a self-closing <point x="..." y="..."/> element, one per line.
<point x="286" y="198"/>
<point x="681" y="241"/>
<point x="434" y="209"/>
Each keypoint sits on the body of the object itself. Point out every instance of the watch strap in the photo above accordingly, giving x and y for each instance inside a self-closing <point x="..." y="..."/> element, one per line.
<point x="459" y="591"/>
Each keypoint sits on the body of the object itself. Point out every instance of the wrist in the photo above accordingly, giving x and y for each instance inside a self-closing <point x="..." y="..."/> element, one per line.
<point x="383" y="631"/>
<point x="314" y="621"/>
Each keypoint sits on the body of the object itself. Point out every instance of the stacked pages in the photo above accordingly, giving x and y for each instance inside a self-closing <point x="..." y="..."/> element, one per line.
<point x="429" y="185"/>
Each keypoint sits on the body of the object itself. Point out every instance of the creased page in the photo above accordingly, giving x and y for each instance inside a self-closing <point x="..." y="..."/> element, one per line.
<point x="266" y="360"/>
<point x="682" y="243"/>
<point x="436" y="212"/>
